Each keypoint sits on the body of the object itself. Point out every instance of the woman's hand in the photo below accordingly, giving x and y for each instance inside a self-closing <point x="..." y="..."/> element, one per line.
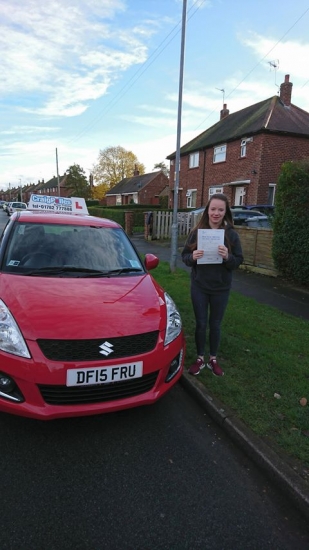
<point x="223" y="251"/>
<point x="197" y="254"/>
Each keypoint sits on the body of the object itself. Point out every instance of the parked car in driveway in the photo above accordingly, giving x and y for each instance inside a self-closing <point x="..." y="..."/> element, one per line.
<point x="266" y="209"/>
<point x="258" y="222"/>
<point x="86" y="330"/>
<point x="15" y="206"/>
<point x="240" y="216"/>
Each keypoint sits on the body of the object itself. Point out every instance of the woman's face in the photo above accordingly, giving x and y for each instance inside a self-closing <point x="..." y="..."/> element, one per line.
<point x="216" y="213"/>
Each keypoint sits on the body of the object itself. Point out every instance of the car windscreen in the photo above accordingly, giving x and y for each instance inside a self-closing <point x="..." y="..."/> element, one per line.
<point x="55" y="250"/>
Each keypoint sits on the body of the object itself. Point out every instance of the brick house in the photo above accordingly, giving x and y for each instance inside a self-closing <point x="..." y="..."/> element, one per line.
<point x="143" y="189"/>
<point x="241" y="155"/>
<point x="49" y="187"/>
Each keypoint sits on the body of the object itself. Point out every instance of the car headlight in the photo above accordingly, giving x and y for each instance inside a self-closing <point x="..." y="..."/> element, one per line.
<point x="11" y="339"/>
<point x="173" y="320"/>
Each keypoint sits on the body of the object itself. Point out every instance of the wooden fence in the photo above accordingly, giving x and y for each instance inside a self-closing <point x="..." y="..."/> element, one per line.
<point x="256" y="242"/>
<point x="162" y="224"/>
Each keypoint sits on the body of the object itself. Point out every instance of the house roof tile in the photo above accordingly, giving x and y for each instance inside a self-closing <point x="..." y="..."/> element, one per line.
<point x="52" y="182"/>
<point x="270" y="115"/>
<point x="132" y="185"/>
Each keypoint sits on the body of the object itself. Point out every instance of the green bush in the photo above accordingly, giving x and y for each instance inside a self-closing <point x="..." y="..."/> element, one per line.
<point x="92" y="202"/>
<point x="290" y="224"/>
<point x="111" y="214"/>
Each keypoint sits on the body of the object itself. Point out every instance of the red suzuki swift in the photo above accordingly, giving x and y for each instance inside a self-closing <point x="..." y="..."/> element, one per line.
<point x="84" y="328"/>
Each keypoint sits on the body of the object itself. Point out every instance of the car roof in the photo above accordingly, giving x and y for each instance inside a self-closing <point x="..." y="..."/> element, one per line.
<point x="28" y="216"/>
<point x="246" y="212"/>
<point x="257" y="206"/>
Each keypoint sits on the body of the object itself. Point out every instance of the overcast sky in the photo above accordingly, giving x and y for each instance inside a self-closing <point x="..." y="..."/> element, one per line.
<point x="79" y="76"/>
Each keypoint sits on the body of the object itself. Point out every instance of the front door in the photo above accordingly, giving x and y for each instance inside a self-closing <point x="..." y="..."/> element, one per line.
<point x="240" y="193"/>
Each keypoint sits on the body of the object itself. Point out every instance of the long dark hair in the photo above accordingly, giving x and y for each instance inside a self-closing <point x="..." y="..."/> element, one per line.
<point x="204" y="221"/>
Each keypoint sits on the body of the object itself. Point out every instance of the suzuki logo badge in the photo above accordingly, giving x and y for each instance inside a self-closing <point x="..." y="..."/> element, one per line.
<point x="106" y="348"/>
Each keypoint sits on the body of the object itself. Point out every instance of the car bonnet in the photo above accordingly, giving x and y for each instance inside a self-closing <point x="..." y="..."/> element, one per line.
<point x="83" y="308"/>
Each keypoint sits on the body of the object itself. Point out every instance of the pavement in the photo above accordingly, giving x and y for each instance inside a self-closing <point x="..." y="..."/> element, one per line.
<point x="275" y="292"/>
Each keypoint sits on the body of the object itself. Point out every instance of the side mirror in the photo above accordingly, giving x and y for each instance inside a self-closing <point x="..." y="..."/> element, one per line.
<point x="151" y="261"/>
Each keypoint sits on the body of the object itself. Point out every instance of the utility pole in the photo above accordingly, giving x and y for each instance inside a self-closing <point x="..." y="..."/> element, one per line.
<point x="174" y="236"/>
<point x="57" y="173"/>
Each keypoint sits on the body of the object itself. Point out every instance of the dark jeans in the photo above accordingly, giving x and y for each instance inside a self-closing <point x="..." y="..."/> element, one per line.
<point x="216" y="305"/>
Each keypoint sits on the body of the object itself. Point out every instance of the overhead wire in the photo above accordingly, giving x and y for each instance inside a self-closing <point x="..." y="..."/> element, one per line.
<point x="139" y="72"/>
<point x="257" y="64"/>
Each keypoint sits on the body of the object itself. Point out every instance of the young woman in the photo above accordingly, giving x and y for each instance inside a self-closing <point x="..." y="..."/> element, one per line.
<point x="211" y="282"/>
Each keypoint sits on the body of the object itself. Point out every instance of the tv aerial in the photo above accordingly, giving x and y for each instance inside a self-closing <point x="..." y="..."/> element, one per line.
<point x="223" y="93"/>
<point x="273" y="66"/>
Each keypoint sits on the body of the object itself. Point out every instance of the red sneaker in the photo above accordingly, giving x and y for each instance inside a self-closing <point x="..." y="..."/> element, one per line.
<point x="196" y="367"/>
<point x="215" y="367"/>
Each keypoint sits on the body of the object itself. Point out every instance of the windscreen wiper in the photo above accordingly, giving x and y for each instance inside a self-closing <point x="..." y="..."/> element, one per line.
<point x="85" y="272"/>
<point x="67" y="269"/>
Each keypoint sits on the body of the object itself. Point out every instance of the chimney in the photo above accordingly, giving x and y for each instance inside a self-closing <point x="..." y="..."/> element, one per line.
<point x="286" y="91"/>
<point x="224" y="112"/>
<point x="136" y="171"/>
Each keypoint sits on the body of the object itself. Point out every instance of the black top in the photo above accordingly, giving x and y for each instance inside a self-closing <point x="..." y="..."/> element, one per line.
<point x="214" y="278"/>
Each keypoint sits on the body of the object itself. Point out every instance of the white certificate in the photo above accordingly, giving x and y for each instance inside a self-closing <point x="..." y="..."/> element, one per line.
<point x="209" y="240"/>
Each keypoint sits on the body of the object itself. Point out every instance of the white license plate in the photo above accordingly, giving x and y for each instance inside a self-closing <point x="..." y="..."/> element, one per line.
<point x="104" y="375"/>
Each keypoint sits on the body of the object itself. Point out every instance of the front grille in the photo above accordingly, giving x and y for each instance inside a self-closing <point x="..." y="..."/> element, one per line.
<point x="63" y="395"/>
<point x="89" y="350"/>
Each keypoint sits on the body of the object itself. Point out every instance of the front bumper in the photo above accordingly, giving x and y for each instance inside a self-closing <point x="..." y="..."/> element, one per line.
<point x="41" y="383"/>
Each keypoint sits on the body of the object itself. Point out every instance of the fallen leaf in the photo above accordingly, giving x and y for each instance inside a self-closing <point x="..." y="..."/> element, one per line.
<point x="305" y="433"/>
<point x="277" y="396"/>
<point x="303" y="401"/>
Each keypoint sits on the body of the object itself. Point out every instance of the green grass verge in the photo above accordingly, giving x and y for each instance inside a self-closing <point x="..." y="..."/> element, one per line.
<point x="263" y="352"/>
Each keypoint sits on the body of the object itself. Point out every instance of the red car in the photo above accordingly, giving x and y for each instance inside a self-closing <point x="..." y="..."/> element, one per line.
<point x="84" y="328"/>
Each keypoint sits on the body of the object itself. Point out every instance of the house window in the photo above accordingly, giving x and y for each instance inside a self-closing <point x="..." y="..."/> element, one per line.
<point x="118" y="199"/>
<point x="214" y="190"/>
<point x="191" y="198"/>
<point x="243" y="148"/>
<point x="219" y="154"/>
<point x="271" y="193"/>
<point x="194" y="160"/>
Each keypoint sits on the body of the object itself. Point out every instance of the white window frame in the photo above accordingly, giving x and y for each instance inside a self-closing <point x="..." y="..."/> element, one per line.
<point x="118" y="199"/>
<point x="219" y="154"/>
<point x="273" y="187"/>
<point x="243" y="148"/>
<point x="194" y="160"/>
<point x="191" y="198"/>
<point x="213" y="190"/>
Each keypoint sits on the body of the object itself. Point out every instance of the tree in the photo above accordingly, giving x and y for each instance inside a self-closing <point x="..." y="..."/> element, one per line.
<point x="162" y="166"/>
<point x="115" y="164"/>
<point x="77" y="182"/>
<point x="99" y="191"/>
<point x="290" y="225"/>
